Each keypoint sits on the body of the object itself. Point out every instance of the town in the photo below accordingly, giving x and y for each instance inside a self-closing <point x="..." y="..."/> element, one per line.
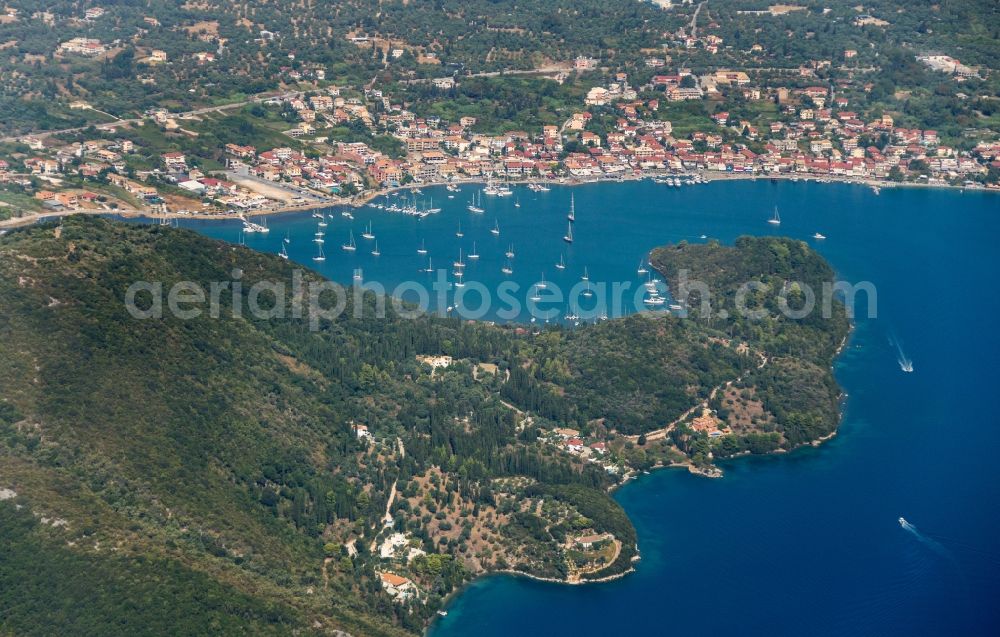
<point x="751" y="124"/>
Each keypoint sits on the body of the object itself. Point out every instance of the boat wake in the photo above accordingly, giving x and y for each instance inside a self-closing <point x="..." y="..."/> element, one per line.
<point x="905" y="363"/>
<point x="934" y="545"/>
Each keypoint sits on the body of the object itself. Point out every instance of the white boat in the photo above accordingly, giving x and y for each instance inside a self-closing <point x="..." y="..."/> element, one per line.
<point x="347" y="215"/>
<point x="376" y="252"/>
<point x="473" y="255"/>
<point x="368" y="234"/>
<point x="586" y="276"/>
<point x="517" y="203"/>
<point x="562" y="264"/>
<point x="458" y="276"/>
<point x="284" y="253"/>
<point x="358" y="274"/>
<point x="322" y="224"/>
<point x="495" y="231"/>
<point x="568" y="237"/>
<point x="476" y="204"/>
<point x="319" y="256"/>
<point x="642" y="268"/>
<point x="459" y="263"/>
<point x="902" y="522"/>
<point x="350" y="246"/>
<point x="819" y="236"/>
<point x="430" y="267"/>
<point x="654" y="301"/>
<point x="452" y="188"/>
<point x="510" y="252"/>
<point x="422" y="249"/>
<point x="507" y="268"/>
<point x="775" y="219"/>
<point x="318" y="215"/>
<point x="319" y="239"/>
<point x="542" y="284"/>
<point x="572" y="209"/>
<point x="459" y="233"/>
<point x="288" y="239"/>
<point x="876" y="189"/>
<point x="588" y="292"/>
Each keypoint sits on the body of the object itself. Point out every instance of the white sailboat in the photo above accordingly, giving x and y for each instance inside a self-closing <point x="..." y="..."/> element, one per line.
<point x="319" y="255"/>
<point x="588" y="292"/>
<point x="284" y="252"/>
<point x="495" y="231"/>
<point x="458" y="279"/>
<point x="568" y="237"/>
<point x="642" y="268"/>
<point x="775" y="219"/>
<point x="368" y="234"/>
<point x="572" y="209"/>
<point x="459" y="234"/>
<point x="562" y="264"/>
<point x="473" y="255"/>
<point x="423" y="248"/>
<point x="376" y="252"/>
<point x="510" y="252"/>
<point x="430" y="266"/>
<point x="507" y="268"/>
<point x="586" y="276"/>
<point x="819" y="236"/>
<point x="350" y="246"/>
<point x="459" y="263"/>
<point x="476" y="205"/>
<point x="358" y="274"/>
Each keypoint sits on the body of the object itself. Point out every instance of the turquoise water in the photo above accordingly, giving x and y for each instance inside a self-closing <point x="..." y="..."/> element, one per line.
<point x="803" y="544"/>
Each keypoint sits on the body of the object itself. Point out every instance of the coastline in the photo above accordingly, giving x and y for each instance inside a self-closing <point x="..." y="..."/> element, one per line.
<point x="364" y="198"/>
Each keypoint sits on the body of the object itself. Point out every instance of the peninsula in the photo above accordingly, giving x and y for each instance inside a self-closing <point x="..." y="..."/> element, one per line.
<point x="267" y="477"/>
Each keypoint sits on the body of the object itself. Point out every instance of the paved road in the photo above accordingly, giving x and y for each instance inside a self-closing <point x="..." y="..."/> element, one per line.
<point x="135" y="120"/>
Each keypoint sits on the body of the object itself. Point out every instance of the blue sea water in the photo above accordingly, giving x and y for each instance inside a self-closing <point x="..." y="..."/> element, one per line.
<point x="806" y="543"/>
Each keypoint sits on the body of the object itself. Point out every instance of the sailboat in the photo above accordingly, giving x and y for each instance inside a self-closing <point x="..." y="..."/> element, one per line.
<point x="585" y="277"/>
<point x="510" y="252"/>
<point x="322" y="223"/>
<point x="459" y="263"/>
<point x="568" y="237"/>
<point x="375" y="252"/>
<point x="496" y="228"/>
<point x="819" y="236"/>
<point x="318" y="239"/>
<point x="476" y="205"/>
<point x="358" y="274"/>
<point x="368" y="234"/>
<point x="350" y="246"/>
<point x="572" y="209"/>
<point x="264" y="227"/>
<point x="430" y="267"/>
<point x="542" y="284"/>
<point x="284" y="252"/>
<point x="642" y="268"/>
<point x="473" y="255"/>
<point x="562" y="264"/>
<point x="588" y="292"/>
<point x="459" y="234"/>
<point x="319" y="255"/>
<point x="536" y="296"/>
<point x="288" y="239"/>
<point x="423" y="248"/>
<point x="517" y="203"/>
<point x="458" y="279"/>
<point x="507" y="268"/>
<point x="776" y="219"/>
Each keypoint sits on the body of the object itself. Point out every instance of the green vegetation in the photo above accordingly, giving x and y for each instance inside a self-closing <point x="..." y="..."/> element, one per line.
<point x="219" y="453"/>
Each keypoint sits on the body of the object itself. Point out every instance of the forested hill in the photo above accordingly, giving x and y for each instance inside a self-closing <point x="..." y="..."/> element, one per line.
<point x="180" y="475"/>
